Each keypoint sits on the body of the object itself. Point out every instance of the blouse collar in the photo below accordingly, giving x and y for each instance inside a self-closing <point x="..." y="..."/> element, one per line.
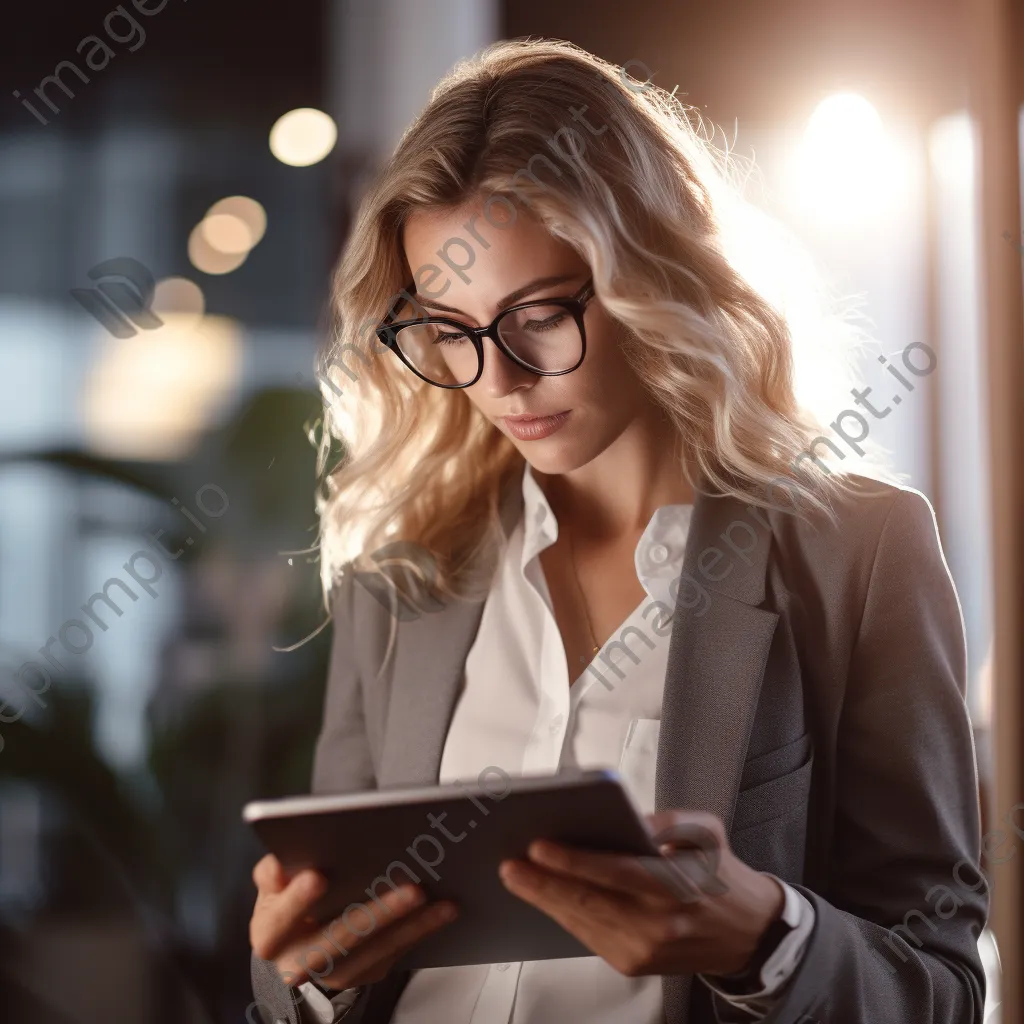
<point x="658" y="557"/>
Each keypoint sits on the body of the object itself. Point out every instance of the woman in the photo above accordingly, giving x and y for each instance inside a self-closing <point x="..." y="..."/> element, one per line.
<point x="576" y="420"/>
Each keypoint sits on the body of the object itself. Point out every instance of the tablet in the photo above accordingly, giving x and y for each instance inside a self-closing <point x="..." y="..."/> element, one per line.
<point x="450" y="840"/>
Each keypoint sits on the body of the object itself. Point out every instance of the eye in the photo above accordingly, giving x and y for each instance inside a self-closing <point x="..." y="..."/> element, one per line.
<point x="448" y="338"/>
<point x="547" y="324"/>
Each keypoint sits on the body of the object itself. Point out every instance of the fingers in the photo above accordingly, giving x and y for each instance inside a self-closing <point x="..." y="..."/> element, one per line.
<point x="277" y="913"/>
<point x="687" y="827"/>
<point x="631" y="937"/>
<point x="564" y="898"/>
<point x="361" y="945"/>
<point x="696" y="849"/>
<point x="676" y="879"/>
<point x="687" y="870"/>
<point x="268" y="876"/>
<point x="375" y="953"/>
<point x="617" y="872"/>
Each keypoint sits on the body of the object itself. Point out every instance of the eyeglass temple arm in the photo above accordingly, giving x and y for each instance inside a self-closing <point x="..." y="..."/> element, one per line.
<point x="390" y="318"/>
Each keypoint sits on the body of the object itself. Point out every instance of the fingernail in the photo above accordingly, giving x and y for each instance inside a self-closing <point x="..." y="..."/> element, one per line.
<point x="446" y="912"/>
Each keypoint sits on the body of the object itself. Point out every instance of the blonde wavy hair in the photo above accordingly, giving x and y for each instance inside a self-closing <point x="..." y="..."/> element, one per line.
<point x="653" y="208"/>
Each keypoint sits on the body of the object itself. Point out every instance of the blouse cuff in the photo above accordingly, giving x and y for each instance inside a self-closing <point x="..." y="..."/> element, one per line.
<point x="316" y="1008"/>
<point x="798" y="913"/>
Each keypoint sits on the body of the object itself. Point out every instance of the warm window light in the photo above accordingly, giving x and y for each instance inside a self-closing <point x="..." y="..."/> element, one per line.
<point x="951" y="150"/>
<point x="775" y="262"/>
<point x="847" y="167"/>
<point x="209" y="260"/>
<point x="303" y="137"/>
<point x="845" y="119"/>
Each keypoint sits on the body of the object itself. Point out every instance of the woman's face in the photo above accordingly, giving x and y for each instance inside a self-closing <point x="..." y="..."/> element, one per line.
<point x="593" y="404"/>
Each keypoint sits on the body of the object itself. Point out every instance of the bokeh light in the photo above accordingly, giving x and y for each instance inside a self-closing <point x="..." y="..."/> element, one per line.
<point x="227" y="233"/>
<point x="247" y="210"/>
<point x="209" y="260"/>
<point x="152" y="395"/>
<point x="303" y="137"/>
<point x="180" y="298"/>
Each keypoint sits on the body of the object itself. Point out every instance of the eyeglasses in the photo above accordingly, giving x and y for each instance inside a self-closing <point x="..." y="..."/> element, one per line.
<point x="546" y="336"/>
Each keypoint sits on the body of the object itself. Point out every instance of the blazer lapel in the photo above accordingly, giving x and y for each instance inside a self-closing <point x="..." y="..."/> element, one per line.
<point x="716" y="658"/>
<point x="430" y="660"/>
<point x="717" y="655"/>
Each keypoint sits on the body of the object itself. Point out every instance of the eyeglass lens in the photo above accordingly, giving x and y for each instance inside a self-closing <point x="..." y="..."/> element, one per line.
<point x="545" y="337"/>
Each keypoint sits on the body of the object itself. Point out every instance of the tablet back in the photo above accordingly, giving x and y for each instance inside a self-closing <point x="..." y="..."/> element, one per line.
<point x="450" y="840"/>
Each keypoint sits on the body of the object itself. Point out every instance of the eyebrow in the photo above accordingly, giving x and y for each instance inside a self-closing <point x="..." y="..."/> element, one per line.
<point x="513" y="297"/>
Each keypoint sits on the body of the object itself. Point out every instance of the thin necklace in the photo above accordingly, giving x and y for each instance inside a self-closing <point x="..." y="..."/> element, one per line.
<point x="583" y="600"/>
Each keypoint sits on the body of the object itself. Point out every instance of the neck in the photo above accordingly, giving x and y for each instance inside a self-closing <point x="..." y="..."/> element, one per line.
<point x="616" y="493"/>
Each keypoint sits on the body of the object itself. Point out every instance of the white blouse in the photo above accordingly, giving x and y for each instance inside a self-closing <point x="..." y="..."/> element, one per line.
<point x="518" y="710"/>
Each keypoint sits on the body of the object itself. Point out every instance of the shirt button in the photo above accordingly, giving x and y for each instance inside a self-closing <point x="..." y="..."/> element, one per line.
<point x="503" y="967"/>
<point x="556" y="724"/>
<point x="659" y="554"/>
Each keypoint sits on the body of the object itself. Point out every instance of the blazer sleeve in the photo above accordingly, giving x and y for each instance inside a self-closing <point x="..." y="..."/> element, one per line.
<point x="896" y="939"/>
<point x="342" y="762"/>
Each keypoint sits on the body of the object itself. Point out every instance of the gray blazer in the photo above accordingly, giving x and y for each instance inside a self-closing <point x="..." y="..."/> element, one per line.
<point x="814" y="701"/>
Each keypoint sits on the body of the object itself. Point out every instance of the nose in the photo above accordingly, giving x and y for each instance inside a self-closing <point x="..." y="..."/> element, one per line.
<point x="500" y="375"/>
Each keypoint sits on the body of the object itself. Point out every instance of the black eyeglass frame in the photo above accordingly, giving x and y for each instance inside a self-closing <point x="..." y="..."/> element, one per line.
<point x="575" y="304"/>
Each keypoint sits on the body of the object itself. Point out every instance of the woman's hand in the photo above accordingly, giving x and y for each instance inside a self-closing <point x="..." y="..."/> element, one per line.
<point x="700" y="913"/>
<point x="282" y="931"/>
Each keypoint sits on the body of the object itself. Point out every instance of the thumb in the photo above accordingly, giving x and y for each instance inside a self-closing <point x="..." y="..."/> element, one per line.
<point x="658" y="821"/>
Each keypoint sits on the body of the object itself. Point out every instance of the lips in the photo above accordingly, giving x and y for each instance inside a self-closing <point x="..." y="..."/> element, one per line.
<point x="532" y="428"/>
<point x="526" y="417"/>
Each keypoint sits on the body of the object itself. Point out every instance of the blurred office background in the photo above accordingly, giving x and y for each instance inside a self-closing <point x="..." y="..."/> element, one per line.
<point x="222" y="146"/>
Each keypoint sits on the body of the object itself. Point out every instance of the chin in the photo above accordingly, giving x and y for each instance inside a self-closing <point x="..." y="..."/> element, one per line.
<point x="557" y="457"/>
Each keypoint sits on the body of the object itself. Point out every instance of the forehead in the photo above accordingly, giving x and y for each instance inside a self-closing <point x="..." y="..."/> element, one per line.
<point x="469" y="255"/>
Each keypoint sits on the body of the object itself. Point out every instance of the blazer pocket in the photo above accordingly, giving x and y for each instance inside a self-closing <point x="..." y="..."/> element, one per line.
<point x="774" y="763"/>
<point x="779" y="797"/>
